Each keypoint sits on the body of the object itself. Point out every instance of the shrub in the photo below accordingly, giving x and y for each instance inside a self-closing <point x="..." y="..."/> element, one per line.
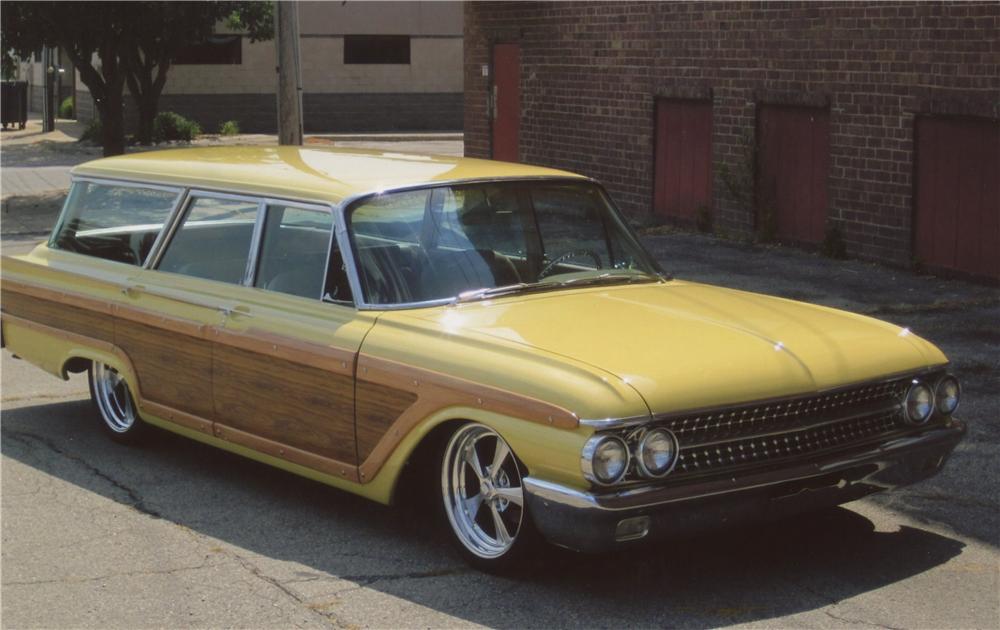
<point x="66" y="108"/>
<point x="169" y="126"/>
<point x="229" y="128"/>
<point x="93" y="132"/>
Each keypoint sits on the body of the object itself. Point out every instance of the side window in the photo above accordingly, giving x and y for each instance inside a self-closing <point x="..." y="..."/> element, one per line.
<point x="293" y="255"/>
<point x="113" y="222"/>
<point x="213" y="242"/>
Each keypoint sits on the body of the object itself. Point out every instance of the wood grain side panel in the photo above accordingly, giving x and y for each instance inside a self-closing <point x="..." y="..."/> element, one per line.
<point x="436" y="391"/>
<point x="301" y="406"/>
<point x="328" y="358"/>
<point x="173" y="369"/>
<point x="58" y="314"/>
<point x="287" y="453"/>
<point x="377" y="408"/>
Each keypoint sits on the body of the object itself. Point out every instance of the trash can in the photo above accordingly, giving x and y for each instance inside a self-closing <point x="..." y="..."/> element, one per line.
<point x="14" y="103"/>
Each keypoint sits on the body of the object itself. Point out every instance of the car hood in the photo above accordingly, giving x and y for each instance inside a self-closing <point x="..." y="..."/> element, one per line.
<point x="684" y="345"/>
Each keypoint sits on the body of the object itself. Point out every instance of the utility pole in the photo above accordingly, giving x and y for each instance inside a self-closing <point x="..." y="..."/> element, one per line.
<point x="48" y="110"/>
<point x="286" y="29"/>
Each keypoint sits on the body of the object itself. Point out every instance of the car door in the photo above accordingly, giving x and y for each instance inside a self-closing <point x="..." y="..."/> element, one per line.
<point x="284" y="364"/>
<point x="171" y="314"/>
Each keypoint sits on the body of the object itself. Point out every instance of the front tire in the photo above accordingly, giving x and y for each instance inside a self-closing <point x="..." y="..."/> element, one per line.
<point x="484" y="500"/>
<point x="114" y="403"/>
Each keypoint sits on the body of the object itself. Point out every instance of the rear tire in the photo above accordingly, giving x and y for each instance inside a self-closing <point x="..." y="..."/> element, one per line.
<point x="484" y="502"/>
<point x="115" y="406"/>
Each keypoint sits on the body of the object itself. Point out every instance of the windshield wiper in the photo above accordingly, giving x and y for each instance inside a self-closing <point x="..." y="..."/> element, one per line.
<point x="529" y="287"/>
<point x="611" y="278"/>
<point x="507" y="289"/>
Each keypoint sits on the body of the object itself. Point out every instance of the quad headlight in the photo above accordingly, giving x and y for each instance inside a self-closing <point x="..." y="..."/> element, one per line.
<point x="656" y="453"/>
<point x="919" y="403"/>
<point x="605" y="459"/>
<point x="947" y="395"/>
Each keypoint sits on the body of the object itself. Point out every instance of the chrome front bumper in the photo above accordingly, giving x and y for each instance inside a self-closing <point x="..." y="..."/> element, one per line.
<point x="588" y="521"/>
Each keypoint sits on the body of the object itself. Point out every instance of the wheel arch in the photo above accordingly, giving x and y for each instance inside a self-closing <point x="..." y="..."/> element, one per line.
<point x="550" y="452"/>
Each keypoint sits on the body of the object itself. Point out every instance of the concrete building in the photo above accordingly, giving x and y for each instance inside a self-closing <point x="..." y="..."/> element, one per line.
<point x="871" y="126"/>
<point x="366" y="66"/>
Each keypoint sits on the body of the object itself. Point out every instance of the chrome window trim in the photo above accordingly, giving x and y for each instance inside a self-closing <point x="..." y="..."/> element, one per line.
<point x="602" y="424"/>
<point x="250" y="272"/>
<point x="167" y="230"/>
<point x="353" y="266"/>
<point x="347" y="254"/>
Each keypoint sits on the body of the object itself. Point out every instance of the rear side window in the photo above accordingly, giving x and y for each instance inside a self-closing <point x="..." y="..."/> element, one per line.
<point x="293" y="255"/>
<point x="214" y="240"/>
<point x="113" y="222"/>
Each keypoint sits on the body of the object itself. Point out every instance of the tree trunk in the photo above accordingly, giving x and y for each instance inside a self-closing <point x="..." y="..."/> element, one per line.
<point x="112" y="115"/>
<point x="148" y="108"/>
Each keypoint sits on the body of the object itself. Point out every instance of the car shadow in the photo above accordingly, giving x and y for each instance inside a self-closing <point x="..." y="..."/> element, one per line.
<point x="739" y="576"/>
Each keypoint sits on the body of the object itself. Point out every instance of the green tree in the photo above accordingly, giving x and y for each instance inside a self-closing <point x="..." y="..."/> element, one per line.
<point x="164" y="28"/>
<point x="114" y="44"/>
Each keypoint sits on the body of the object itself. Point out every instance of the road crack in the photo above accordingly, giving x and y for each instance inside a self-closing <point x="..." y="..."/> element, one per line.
<point x="135" y="501"/>
<point x="109" y="576"/>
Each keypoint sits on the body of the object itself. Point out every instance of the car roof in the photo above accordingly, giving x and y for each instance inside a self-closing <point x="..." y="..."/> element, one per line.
<point x="321" y="174"/>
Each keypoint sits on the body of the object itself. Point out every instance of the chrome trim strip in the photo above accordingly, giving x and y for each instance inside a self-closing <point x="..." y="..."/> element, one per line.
<point x="630" y="421"/>
<point x="556" y="493"/>
<point x="615" y="423"/>
<point x="163" y="295"/>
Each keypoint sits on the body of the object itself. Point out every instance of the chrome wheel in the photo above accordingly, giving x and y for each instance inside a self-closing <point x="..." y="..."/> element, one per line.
<point x="482" y="491"/>
<point x="112" y="397"/>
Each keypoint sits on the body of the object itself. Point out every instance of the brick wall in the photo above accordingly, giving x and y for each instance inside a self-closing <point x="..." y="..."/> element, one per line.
<point x="590" y="73"/>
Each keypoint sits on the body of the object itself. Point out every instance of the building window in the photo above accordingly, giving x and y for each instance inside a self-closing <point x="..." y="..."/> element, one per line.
<point x="216" y="50"/>
<point x="377" y="49"/>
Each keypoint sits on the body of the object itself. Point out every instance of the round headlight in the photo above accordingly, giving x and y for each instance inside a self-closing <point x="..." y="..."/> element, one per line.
<point x="919" y="403"/>
<point x="605" y="459"/>
<point x="947" y="394"/>
<point x="657" y="453"/>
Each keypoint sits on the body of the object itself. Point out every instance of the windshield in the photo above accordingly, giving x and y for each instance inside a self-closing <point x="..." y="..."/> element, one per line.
<point x="444" y="242"/>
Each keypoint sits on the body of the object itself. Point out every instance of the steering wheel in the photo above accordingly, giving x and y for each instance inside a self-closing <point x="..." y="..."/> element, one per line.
<point x="573" y="253"/>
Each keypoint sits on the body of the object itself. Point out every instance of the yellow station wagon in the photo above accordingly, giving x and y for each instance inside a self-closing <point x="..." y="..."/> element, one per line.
<point x="494" y="330"/>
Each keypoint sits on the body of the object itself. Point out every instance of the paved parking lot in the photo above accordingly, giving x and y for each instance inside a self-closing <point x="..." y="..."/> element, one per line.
<point x="177" y="534"/>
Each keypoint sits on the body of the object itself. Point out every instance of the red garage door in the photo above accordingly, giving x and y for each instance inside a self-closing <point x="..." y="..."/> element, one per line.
<point x="683" y="158"/>
<point x="958" y="195"/>
<point x="793" y="159"/>
<point x="506" y="101"/>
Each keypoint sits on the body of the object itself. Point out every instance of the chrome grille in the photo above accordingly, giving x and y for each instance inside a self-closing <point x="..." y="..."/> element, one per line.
<point x="772" y="448"/>
<point x="784" y="415"/>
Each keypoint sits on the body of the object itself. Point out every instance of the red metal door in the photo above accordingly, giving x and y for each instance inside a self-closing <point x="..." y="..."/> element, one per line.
<point x="683" y="158"/>
<point x="506" y="101"/>
<point x="793" y="160"/>
<point x="957" y="223"/>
